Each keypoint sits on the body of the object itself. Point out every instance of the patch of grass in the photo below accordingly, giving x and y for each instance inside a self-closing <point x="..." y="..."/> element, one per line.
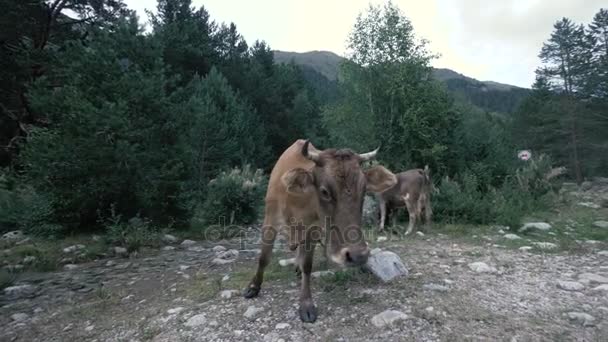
<point x="148" y="333"/>
<point x="343" y="279"/>
<point x="6" y="279"/>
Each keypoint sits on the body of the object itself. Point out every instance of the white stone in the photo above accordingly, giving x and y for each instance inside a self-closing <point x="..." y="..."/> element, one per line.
<point x="227" y="294"/>
<point x="188" y="243"/>
<point x="287" y="262"/>
<point x="282" y="326"/>
<point x="319" y="274"/>
<point x="70" y="267"/>
<point x="218" y="249"/>
<point x="386" y="265"/>
<point x="592" y="278"/>
<point x="582" y="318"/>
<point x="13" y="236"/>
<point x="168" y="248"/>
<point x="226" y="277"/>
<point x="229" y="254"/>
<point x="589" y="205"/>
<point x="602" y="253"/>
<point x="73" y="248"/>
<point x="542" y="226"/>
<point x="196" y="249"/>
<point x="196" y="320"/>
<point x="89" y="328"/>
<point x="512" y="237"/>
<point x="121" y="251"/>
<point x="219" y="262"/>
<point x="175" y="311"/>
<point x="382" y="239"/>
<point x="601" y="224"/>
<point x="421" y="234"/>
<point x="603" y="288"/>
<point x="545" y="245"/>
<point x="20" y="291"/>
<point x="183" y="267"/>
<point x="570" y="285"/>
<point x="168" y="238"/>
<point x="253" y="311"/>
<point x="388" y="317"/>
<point x="20" y="317"/>
<point x="481" y="267"/>
<point x="525" y="248"/>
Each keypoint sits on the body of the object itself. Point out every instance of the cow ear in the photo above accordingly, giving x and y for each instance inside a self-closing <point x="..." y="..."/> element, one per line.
<point x="379" y="179"/>
<point x="298" y="181"/>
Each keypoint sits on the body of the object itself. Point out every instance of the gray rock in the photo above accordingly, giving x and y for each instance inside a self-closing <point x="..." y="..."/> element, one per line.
<point x="319" y="274"/>
<point x="386" y="266"/>
<point x="175" y="311"/>
<point x="381" y="239"/>
<point x="512" y="237"/>
<point x="525" y="248"/>
<point x="287" y="262"/>
<point x="435" y="287"/>
<point x="602" y="288"/>
<point x="219" y="262"/>
<point x="188" y="243"/>
<point x="541" y="226"/>
<point x="570" y="285"/>
<point x="586" y="186"/>
<point x="218" y="249"/>
<point x="196" y="321"/>
<point x="388" y="317"/>
<point x="121" y="251"/>
<point x="589" y="205"/>
<point x="30" y="259"/>
<point x="73" y="249"/>
<point x="20" y="317"/>
<point x="421" y="234"/>
<point x="252" y="312"/>
<point x="196" y="249"/>
<point x="545" y="245"/>
<point x="229" y="254"/>
<point x="588" y="278"/>
<point x="602" y="253"/>
<point x="168" y="248"/>
<point x="20" y="292"/>
<point x="481" y="267"/>
<point x="282" y="326"/>
<point x="168" y="238"/>
<point x="582" y="318"/>
<point x="227" y="294"/>
<point x="601" y="224"/>
<point x="70" y="267"/>
<point x="13" y="236"/>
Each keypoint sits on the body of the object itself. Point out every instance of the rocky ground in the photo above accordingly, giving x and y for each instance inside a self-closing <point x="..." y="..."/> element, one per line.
<point x="496" y="284"/>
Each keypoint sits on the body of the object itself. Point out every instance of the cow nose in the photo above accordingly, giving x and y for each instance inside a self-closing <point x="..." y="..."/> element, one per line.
<point x="356" y="256"/>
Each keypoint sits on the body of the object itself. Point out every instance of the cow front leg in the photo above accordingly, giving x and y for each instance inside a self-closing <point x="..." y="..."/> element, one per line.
<point x="269" y="234"/>
<point x="413" y="213"/>
<point x="308" y="311"/>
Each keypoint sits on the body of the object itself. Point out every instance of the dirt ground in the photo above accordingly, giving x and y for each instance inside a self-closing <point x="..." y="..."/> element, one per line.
<point x="181" y="295"/>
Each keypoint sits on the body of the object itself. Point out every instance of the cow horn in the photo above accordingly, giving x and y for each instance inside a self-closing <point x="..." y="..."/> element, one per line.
<point x="310" y="151"/>
<point x="369" y="155"/>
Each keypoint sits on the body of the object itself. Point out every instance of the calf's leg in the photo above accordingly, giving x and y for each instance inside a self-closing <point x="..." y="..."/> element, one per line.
<point x="308" y="311"/>
<point x="412" y="209"/>
<point x="269" y="234"/>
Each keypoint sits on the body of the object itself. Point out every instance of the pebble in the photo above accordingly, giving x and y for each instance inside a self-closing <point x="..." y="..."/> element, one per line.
<point x="545" y="245"/>
<point x="382" y="239"/>
<point x="252" y="311"/>
<point x="121" y="251"/>
<point x="287" y="262"/>
<point x="603" y="288"/>
<point x="388" y="317"/>
<point x="227" y="294"/>
<point x="168" y="248"/>
<point x="218" y="249"/>
<point x="582" y="318"/>
<point x="196" y="320"/>
<point x="542" y="226"/>
<point x="319" y="274"/>
<point x="90" y="328"/>
<point x="570" y="285"/>
<point x="73" y="249"/>
<point x="187" y="243"/>
<point x="481" y="267"/>
<point x="525" y="248"/>
<point x="175" y="310"/>
<point x="512" y="237"/>
<point x="282" y="326"/>
<point x="20" y="317"/>
<point x="70" y="267"/>
<point x="168" y="238"/>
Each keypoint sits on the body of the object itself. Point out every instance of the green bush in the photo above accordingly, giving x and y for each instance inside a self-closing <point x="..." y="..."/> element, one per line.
<point x="234" y="197"/>
<point x="133" y="234"/>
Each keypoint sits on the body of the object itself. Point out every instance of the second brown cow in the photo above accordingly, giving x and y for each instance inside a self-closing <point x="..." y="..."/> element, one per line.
<point x="413" y="192"/>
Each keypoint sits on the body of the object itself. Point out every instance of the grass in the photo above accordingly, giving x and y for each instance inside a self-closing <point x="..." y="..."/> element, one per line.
<point x="6" y="279"/>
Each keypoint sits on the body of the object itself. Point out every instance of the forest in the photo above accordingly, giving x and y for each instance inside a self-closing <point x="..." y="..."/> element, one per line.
<point x="110" y="125"/>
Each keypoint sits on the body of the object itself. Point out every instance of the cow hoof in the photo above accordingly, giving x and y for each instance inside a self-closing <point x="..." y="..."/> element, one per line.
<point x="308" y="313"/>
<point x="298" y="272"/>
<point x="251" y="292"/>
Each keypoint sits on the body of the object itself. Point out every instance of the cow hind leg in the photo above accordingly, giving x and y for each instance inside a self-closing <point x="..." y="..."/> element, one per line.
<point x="412" y="210"/>
<point x="307" y="311"/>
<point x="268" y="236"/>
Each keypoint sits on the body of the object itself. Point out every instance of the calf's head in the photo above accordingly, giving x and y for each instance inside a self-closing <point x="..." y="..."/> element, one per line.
<point x="339" y="184"/>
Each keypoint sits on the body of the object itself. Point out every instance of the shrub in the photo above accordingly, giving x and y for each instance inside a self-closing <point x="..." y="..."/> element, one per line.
<point x="234" y="197"/>
<point x="133" y="234"/>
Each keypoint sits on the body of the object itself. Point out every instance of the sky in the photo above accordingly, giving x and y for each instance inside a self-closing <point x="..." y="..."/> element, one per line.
<point x="487" y="40"/>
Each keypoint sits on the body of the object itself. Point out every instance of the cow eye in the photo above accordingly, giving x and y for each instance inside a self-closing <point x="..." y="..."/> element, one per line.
<point x="325" y="194"/>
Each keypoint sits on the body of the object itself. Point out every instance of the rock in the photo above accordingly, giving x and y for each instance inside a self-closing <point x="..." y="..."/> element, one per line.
<point x="168" y="238"/>
<point x="481" y="267"/>
<point x="586" y="185"/>
<point x="375" y="251"/>
<point x="382" y="239"/>
<point x="175" y="311"/>
<point x="525" y="248"/>
<point x="603" y="288"/>
<point x="542" y="226"/>
<point x="196" y="321"/>
<point x="13" y="236"/>
<point x="601" y="224"/>
<point x="73" y="249"/>
<point x="196" y="249"/>
<point x="188" y="243"/>
<point x="386" y="265"/>
<point x="602" y="253"/>
<point x="370" y="211"/>
<point x="219" y="262"/>
<point x="30" y="259"/>
<point x="588" y="278"/>
<point x="501" y="231"/>
<point x="20" y="292"/>
<point x="589" y="205"/>
<point x="319" y="274"/>
<point x="68" y="327"/>
<point x="252" y="312"/>
<point x="70" y="267"/>
<point x="121" y="251"/>
<point x="168" y="248"/>
<point x="226" y="277"/>
<point x="89" y="328"/>
<point x="229" y="254"/>
<point x="218" y="249"/>
<point x="287" y="262"/>
<point x="512" y="237"/>
<point x="545" y="245"/>
<point x="421" y="234"/>
<point x="570" y="285"/>
<point x="388" y="317"/>
<point x="183" y="267"/>
<point x="582" y="318"/>
<point x="227" y="294"/>
<point x="435" y="287"/>
<point x="20" y="317"/>
<point x="282" y="326"/>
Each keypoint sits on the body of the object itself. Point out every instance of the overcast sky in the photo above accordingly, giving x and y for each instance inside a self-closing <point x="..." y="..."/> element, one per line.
<point x="488" y="40"/>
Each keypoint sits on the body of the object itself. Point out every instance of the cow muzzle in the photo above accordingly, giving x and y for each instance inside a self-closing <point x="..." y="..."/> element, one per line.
<point x="351" y="256"/>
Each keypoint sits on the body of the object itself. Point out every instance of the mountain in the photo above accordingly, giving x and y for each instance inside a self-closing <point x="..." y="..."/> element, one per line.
<point x="487" y="95"/>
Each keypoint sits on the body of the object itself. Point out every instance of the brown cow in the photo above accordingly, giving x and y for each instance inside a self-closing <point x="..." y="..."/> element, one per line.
<point x="412" y="191"/>
<point x="317" y="196"/>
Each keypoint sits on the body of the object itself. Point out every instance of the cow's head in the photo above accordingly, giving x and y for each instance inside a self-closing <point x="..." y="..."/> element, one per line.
<point x="340" y="184"/>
